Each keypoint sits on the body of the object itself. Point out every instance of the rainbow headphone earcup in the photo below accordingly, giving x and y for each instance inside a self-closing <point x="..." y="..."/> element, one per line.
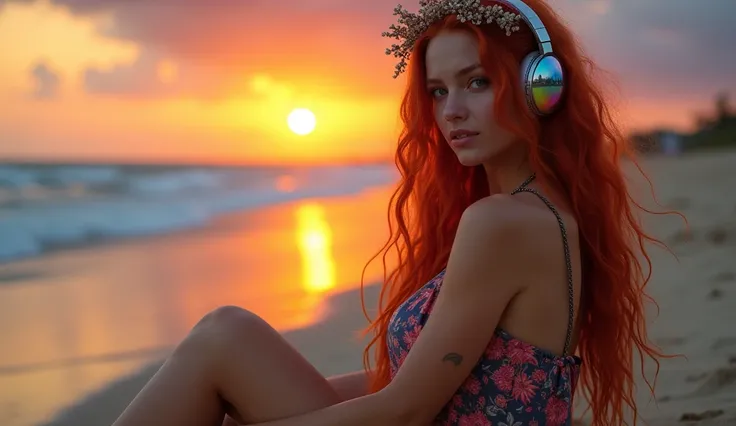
<point x="542" y="82"/>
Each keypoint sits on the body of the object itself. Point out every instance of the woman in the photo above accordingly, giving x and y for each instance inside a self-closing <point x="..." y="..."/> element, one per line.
<point x="518" y="254"/>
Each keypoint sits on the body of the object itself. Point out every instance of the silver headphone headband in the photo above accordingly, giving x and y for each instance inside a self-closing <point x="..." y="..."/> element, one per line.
<point x="535" y="24"/>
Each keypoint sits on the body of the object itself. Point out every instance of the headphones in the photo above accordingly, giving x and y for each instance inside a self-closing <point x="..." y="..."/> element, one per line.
<point x="542" y="77"/>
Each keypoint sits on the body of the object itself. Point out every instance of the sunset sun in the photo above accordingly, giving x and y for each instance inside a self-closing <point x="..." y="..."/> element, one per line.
<point x="302" y="121"/>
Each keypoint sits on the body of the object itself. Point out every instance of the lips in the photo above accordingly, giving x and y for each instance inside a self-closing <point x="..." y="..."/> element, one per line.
<point x="461" y="134"/>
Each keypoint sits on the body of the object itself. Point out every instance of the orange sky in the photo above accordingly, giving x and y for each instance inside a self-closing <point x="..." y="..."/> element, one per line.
<point x="186" y="80"/>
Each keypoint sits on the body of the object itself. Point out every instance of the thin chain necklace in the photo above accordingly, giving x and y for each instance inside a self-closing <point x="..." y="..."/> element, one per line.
<point x="525" y="183"/>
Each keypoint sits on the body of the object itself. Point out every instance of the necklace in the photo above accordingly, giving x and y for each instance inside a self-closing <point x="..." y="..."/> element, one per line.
<point x="525" y="183"/>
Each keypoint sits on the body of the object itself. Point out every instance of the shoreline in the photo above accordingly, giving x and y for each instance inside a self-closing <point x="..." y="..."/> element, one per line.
<point x="93" y="240"/>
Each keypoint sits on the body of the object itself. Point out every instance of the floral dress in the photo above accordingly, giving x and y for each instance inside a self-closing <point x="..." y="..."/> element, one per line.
<point x="513" y="384"/>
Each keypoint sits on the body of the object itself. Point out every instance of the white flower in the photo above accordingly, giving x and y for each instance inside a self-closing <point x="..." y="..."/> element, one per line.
<point x="412" y="26"/>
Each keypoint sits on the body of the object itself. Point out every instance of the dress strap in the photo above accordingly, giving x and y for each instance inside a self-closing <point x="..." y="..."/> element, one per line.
<point x="568" y="260"/>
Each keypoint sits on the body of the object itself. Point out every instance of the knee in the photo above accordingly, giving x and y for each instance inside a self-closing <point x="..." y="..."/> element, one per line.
<point x="225" y="326"/>
<point x="229" y="319"/>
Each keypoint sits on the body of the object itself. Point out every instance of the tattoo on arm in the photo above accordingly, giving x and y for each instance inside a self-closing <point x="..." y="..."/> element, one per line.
<point x="454" y="358"/>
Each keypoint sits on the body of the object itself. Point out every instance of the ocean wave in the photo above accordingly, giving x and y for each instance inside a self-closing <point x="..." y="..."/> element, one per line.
<point x="46" y="207"/>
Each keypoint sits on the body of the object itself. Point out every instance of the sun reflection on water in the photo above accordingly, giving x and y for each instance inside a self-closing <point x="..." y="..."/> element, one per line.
<point x="314" y="239"/>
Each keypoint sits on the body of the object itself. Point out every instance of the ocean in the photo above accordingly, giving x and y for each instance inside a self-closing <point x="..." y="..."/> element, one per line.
<point x="45" y="207"/>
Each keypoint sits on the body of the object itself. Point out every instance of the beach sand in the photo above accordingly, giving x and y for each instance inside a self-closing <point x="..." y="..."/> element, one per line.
<point x="695" y="294"/>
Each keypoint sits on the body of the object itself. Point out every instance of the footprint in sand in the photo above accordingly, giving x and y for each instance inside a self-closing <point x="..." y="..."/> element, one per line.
<point x="715" y="294"/>
<point x="705" y="415"/>
<point x="682" y="236"/>
<point x="717" y="236"/>
<point x="664" y="398"/>
<point x="716" y="380"/>
<point x="724" y="277"/>
<point x="696" y="377"/>
<point x="723" y="342"/>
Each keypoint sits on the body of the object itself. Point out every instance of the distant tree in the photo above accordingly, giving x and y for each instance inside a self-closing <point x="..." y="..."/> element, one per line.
<point x="716" y="129"/>
<point x="721" y="113"/>
<point x="724" y="109"/>
<point x="702" y="121"/>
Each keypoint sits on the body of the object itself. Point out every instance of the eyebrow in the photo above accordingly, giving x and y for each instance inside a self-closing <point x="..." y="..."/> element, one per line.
<point x="460" y="73"/>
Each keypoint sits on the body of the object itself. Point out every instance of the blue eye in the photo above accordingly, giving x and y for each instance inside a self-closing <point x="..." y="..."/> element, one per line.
<point x="436" y="92"/>
<point x="475" y="83"/>
<point x="481" y="83"/>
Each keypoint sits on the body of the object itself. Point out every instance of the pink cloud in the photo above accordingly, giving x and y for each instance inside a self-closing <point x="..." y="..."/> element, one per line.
<point x="659" y="48"/>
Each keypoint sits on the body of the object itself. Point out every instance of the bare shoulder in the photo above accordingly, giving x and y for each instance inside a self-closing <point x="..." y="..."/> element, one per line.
<point x="509" y="227"/>
<point x="506" y="214"/>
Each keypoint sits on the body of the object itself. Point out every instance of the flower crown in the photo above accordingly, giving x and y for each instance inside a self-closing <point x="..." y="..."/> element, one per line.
<point x="412" y="26"/>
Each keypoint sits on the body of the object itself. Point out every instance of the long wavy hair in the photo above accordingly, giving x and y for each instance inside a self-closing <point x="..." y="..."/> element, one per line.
<point x="577" y="153"/>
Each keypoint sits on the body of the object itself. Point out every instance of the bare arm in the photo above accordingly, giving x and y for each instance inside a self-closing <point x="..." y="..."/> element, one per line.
<point x="350" y="385"/>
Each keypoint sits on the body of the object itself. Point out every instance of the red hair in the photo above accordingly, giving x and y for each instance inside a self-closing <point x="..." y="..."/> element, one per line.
<point x="577" y="153"/>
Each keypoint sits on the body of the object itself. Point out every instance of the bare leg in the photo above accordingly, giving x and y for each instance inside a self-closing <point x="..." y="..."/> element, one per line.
<point x="231" y="359"/>
<point x="348" y="386"/>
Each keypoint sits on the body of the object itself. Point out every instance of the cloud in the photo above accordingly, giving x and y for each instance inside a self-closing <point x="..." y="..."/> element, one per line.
<point x="150" y="75"/>
<point x="232" y="39"/>
<point x="46" y="82"/>
<point x="667" y="48"/>
<point x="664" y="48"/>
<point x="138" y="77"/>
